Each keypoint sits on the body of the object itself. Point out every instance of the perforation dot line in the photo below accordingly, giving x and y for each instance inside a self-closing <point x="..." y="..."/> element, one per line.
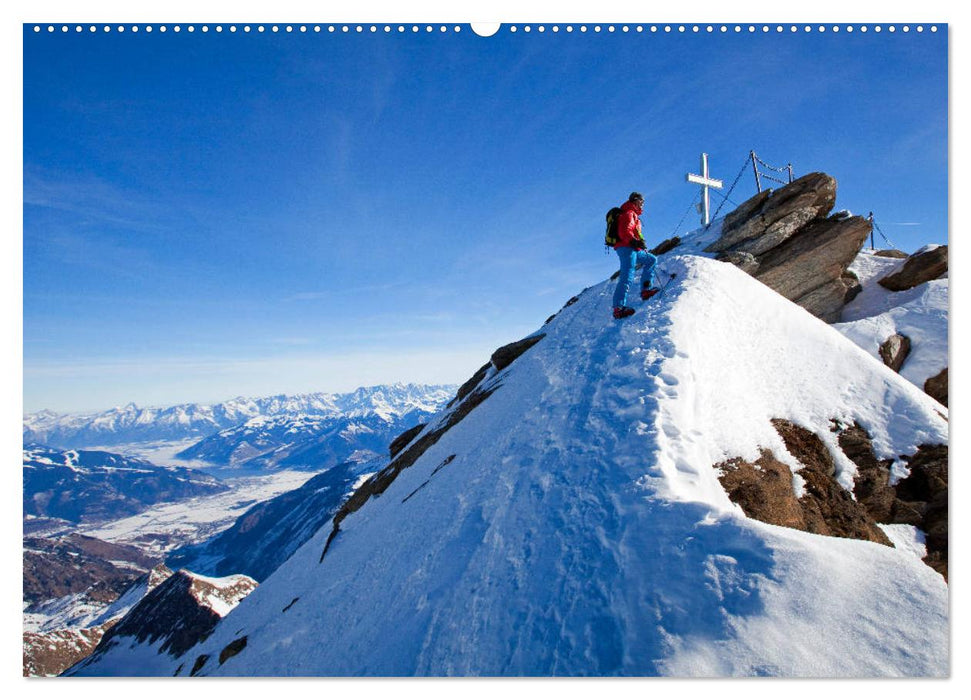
<point x="512" y="28"/>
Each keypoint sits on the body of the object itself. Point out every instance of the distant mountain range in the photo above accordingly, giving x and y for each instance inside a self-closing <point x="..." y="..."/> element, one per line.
<point x="130" y="423"/>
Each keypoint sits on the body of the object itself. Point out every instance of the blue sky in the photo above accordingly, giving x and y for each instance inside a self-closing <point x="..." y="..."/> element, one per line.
<point x="208" y="215"/>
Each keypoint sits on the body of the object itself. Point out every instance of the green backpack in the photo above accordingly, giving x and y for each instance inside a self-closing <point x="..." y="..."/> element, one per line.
<point x="610" y="239"/>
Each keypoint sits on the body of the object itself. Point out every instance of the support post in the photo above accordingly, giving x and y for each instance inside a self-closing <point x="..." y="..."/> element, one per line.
<point x="755" y="167"/>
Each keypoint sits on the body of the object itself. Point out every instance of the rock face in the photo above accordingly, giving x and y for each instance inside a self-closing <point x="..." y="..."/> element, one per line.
<point x="784" y="239"/>
<point x="175" y="616"/>
<point x="894" y="351"/>
<point x="765" y="490"/>
<point x="926" y="264"/>
<point x="936" y="386"/>
<point x="49" y="653"/>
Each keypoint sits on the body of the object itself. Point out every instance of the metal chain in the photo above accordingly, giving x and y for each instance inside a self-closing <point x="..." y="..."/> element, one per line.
<point x="882" y="234"/>
<point x="772" y="167"/>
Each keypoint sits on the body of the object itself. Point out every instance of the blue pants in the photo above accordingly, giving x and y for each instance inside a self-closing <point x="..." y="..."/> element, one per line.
<point x="628" y="259"/>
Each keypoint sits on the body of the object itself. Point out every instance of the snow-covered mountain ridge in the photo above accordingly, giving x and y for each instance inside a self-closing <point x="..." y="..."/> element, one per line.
<point x="132" y="424"/>
<point x="567" y="509"/>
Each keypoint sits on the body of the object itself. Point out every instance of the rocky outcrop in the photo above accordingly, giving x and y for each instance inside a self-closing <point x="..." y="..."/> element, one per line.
<point x="507" y="354"/>
<point x="920" y="499"/>
<point x="784" y="239"/>
<point x="894" y="350"/>
<point x="177" y="615"/>
<point x="765" y="489"/>
<point x="49" y="653"/>
<point x="400" y="442"/>
<point x="926" y="264"/>
<point x="936" y="386"/>
<point x="666" y="246"/>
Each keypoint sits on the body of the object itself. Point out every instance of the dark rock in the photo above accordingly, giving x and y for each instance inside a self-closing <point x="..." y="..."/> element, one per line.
<point x="894" y="350"/>
<point x="852" y="285"/>
<point x="744" y="261"/>
<point x="666" y="246"/>
<point x="402" y="440"/>
<point x="178" y="612"/>
<point x="922" y="266"/>
<point x="872" y="483"/>
<point x="829" y="509"/>
<point x="200" y="662"/>
<point x="808" y="268"/>
<point x="771" y="217"/>
<point x="891" y="253"/>
<point x="920" y="499"/>
<point x="507" y="354"/>
<point x="936" y="386"/>
<point x="470" y="384"/>
<point x="231" y="649"/>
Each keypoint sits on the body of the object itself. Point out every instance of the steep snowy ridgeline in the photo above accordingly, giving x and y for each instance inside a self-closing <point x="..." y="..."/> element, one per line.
<point x="89" y="486"/>
<point x="169" y="525"/>
<point x="162" y="625"/>
<point x="920" y="314"/>
<point x="303" y="442"/>
<point x="264" y="536"/>
<point x="133" y="424"/>
<point x="572" y="524"/>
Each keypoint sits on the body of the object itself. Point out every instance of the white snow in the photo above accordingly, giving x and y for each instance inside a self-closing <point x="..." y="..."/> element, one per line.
<point x="580" y="528"/>
<point x="166" y="526"/>
<point x="920" y="313"/>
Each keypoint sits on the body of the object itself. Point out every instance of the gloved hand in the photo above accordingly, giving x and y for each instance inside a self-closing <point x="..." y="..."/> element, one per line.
<point x="639" y="244"/>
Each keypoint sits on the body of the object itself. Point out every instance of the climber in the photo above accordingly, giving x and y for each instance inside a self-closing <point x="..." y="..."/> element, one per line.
<point x="631" y="249"/>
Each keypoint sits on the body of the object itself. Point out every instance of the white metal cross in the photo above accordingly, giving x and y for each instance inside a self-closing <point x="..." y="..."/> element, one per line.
<point x="705" y="183"/>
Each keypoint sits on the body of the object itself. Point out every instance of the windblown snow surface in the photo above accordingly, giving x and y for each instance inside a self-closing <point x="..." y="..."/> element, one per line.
<point x="581" y="529"/>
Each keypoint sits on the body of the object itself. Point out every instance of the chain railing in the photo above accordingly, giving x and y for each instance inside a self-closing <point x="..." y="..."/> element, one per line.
<point x="760" y="175"/>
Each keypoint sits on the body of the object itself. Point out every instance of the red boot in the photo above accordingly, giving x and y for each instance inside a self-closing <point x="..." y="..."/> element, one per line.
<point x="648" y="292"/>
<point x="623" y="311"/>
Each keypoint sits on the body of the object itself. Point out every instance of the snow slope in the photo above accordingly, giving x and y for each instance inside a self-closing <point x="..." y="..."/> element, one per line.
<point x="920" y="313"/>
<point x="581" y="530"/>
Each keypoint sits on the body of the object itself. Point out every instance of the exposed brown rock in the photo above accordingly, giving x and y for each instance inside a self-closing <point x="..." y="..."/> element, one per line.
<point x="922" y="266"/>
<point x="402" y="440"/>
<point x="783" y="239"/>
<point x="51" y="653"/>
<point x="872" y="484"/>
<point x="507" y="354"/>
<point x="808" y="268"/>
<point x="744" y="261"/>
<point x="666" y="246"/>
<point x="924" y="491"/>
<point x="936" y="386"/>
<point x="829" y="509"/>
<point x="763" y="490"/>
<point x="891" y="253"/>
<point x="852" y="285"/>
<point x="894" y="350"/>
<point x="766" y="220"/>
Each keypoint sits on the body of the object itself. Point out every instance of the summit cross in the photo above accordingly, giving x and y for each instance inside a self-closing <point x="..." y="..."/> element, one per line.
<point x="705" y="181"/>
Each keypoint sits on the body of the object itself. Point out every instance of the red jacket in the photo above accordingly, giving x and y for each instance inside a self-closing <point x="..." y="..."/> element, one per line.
<point x="629" y="226"/>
